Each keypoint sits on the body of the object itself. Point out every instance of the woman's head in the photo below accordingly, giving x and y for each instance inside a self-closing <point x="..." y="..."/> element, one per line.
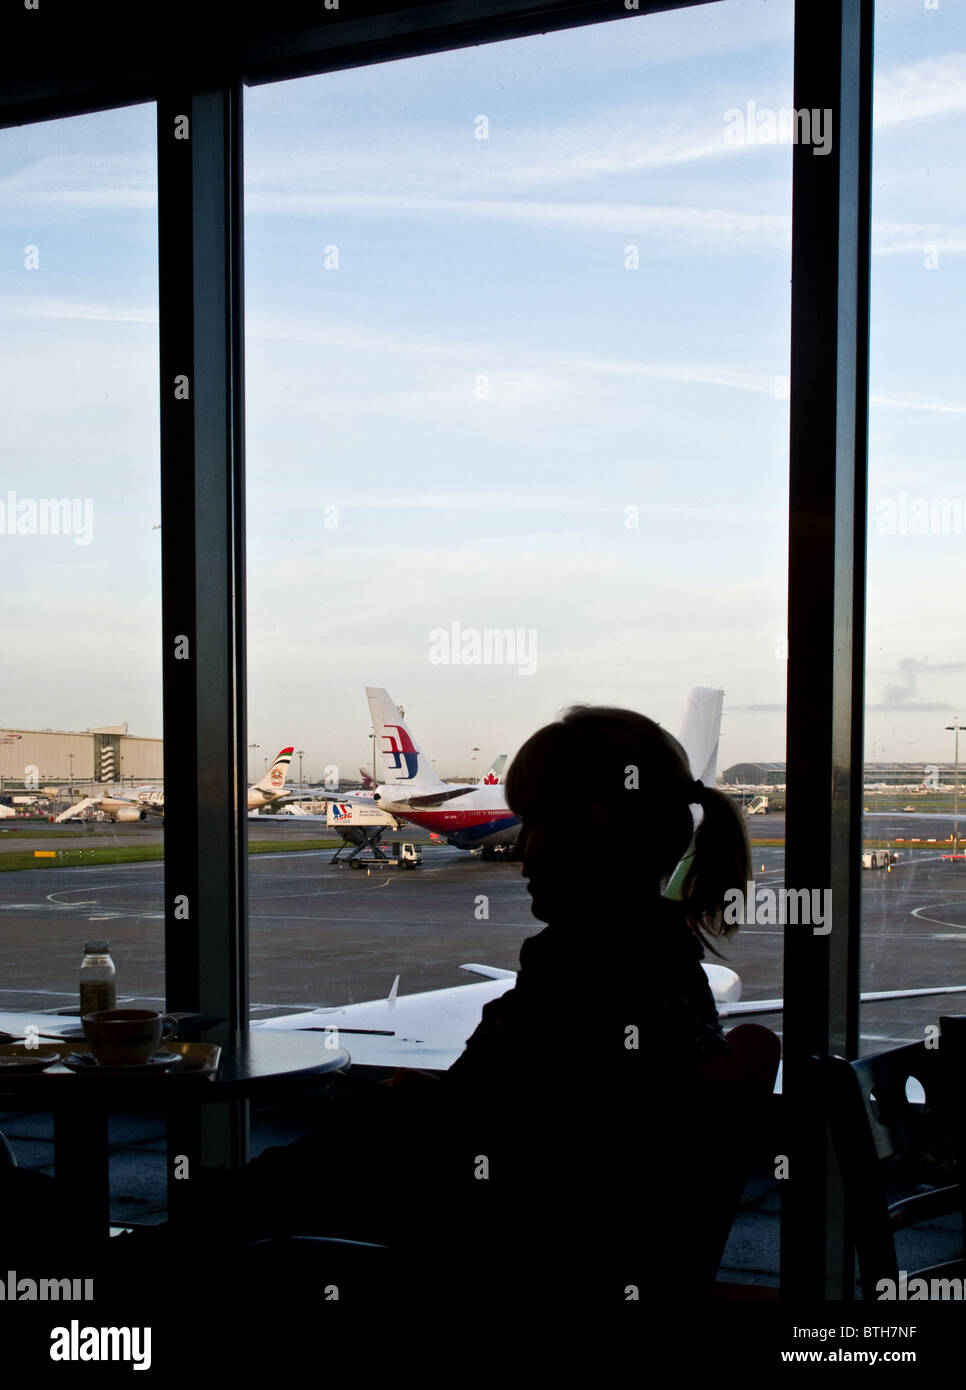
<point x="604" y="797"/>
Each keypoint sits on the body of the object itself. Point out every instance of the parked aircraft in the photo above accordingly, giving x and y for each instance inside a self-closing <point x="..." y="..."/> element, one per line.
<point x="476" y="816"/>
<point x="149" y="801"/>
<point x="411" y="791"/>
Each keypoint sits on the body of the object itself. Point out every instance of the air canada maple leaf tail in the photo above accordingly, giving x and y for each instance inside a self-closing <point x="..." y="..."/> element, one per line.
<point x="404" y="762"/>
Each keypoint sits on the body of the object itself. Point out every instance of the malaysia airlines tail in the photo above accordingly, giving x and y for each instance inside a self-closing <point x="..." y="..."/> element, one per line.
<point x="406" y="765"/>
<point x="274" y="780"/>
<point x="701" y="732"/>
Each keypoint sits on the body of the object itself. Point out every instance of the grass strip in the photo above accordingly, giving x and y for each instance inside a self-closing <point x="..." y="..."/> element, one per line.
<point x="139" y="854"/>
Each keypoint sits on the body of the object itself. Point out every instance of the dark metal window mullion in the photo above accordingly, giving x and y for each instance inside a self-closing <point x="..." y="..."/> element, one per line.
<point x="826" y="616"/>
<point x="203" y="574"/>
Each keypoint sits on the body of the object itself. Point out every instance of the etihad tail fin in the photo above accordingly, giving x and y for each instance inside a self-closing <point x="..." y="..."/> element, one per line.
<point x="701" y="732"/>
<point x="274" y="779"/>
<point x="404" y="762"/>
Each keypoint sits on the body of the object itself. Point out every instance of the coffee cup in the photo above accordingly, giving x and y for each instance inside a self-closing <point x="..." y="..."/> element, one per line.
<point x="126" y="1037"/>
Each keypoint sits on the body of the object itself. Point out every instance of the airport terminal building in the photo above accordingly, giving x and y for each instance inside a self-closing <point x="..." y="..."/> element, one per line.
<point x="41" y="757"/>
<point x="934" y="775"/>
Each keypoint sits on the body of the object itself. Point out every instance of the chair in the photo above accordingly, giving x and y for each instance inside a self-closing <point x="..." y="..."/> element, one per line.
<point x="740" y="1086"/>
<point x="879" y="1135"/>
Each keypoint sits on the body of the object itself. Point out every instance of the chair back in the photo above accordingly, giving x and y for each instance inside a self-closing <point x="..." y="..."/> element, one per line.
<point x="872" y="1120"/>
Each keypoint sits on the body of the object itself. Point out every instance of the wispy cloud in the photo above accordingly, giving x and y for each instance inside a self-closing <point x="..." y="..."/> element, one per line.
<point x="83" y="181"/>
<point x="723" y="227"/>
<point x="900" y="238"/>
<point x="105" y="313"/>
<point x="920" y="91"/>
<point x="714" y="374"/>
<point x="775" y="384"/>
<point x="908" y="400"/>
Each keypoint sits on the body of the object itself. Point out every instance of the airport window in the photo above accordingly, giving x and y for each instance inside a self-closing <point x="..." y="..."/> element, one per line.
<point x="912" y="916"/>
<point x="517" y="347"/>
<point x="517" y="353"/>
<point x="80" y="558"/>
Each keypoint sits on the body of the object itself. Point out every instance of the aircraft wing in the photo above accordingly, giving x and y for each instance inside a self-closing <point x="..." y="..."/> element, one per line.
<point x="428" y="1029"/>
<point x="433" y="798"/>
<point x="326" y="794"/>
<point x="492" y="972"/>
<point x="367" y="799"/>
<point x="777" y="1006"/>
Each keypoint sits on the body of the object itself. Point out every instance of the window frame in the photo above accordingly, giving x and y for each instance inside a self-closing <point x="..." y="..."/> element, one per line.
<point x="54" y="66"/>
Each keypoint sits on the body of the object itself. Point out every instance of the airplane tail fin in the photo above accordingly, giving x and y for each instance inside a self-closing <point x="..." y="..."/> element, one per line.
<point x="274" y="779"/>
<point x="701" y="731"/>
<point x="495" y="774"/>
<point x="699" y="736"/>
<point x="404" y="762"/>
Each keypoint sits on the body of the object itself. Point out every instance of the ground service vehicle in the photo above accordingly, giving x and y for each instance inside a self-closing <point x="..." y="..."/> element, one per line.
<point x="406" y="857"/>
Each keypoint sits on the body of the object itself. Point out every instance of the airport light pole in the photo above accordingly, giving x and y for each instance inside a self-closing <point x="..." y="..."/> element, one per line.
<point x="473" y="760"/>
<point x="252" y="747"/>
<point x="954" y="728"/>
<point x="300" y="751"/>
<point x="71" y="759"/>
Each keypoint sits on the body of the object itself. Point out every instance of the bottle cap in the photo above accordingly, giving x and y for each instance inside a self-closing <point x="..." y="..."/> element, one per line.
<point x="97" y="948"/>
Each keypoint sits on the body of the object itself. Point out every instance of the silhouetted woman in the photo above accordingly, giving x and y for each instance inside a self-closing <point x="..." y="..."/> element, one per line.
<point x="595" y="1081"/>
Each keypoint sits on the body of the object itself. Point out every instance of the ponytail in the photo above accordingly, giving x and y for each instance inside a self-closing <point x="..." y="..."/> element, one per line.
<point x="721" y="862"/>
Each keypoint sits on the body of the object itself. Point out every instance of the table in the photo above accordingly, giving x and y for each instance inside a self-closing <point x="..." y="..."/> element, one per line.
<point x="251" y="1062"/>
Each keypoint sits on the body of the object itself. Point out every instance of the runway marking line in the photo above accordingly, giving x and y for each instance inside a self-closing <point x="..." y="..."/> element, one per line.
<point x="939" y="921"/>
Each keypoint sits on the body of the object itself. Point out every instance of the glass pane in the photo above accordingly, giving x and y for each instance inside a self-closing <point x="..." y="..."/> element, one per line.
<point x="912" y="909"/>
<point x="81" y="774"/>
<point x="517" y="355"/>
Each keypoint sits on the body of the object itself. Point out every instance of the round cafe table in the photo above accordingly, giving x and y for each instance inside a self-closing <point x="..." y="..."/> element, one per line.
<point x="250" y="1065"/>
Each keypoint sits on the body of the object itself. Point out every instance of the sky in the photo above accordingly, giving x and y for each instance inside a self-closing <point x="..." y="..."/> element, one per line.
<point x="517" y="327"/>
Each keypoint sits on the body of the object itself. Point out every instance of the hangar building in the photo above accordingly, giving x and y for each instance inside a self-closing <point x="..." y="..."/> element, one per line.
<point x="41" y="757"/>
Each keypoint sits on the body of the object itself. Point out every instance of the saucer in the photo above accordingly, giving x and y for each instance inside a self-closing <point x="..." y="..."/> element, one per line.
<point x="85" y="1061"/>
<point x="15" y="1057"/>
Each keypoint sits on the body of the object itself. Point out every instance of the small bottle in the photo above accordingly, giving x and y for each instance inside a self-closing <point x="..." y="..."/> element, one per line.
<point x="97" y="988"/>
